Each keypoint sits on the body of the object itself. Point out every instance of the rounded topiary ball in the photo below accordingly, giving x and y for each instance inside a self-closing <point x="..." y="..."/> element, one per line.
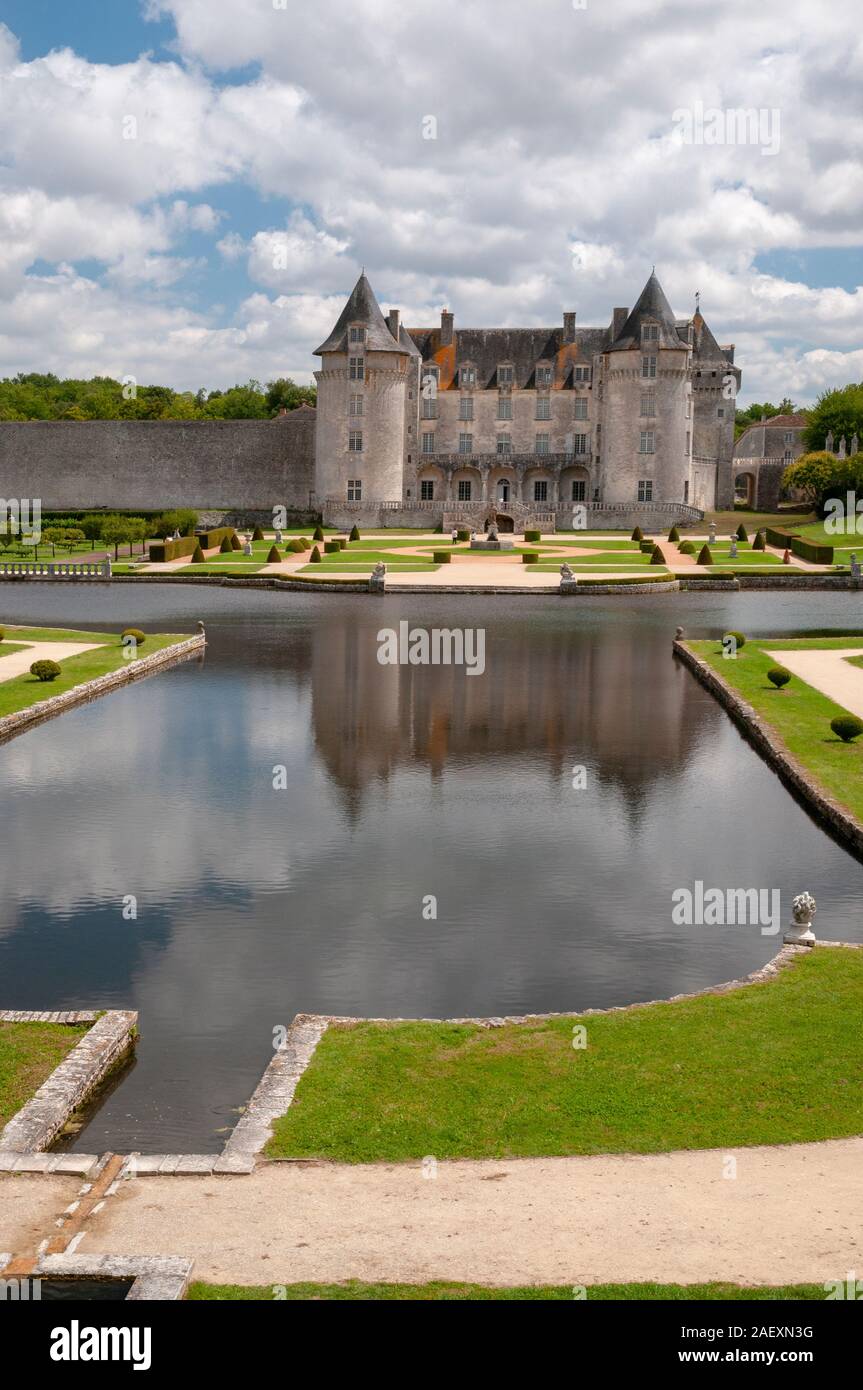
<point x="739" y="639"/>
<point x="297" y="545"/>
<point x="847" y="726"/>
<point x="134" y="633"/>
<point x="45" y="670"/>
<point x="686" y="548"/>
<point x="778" y="676"/>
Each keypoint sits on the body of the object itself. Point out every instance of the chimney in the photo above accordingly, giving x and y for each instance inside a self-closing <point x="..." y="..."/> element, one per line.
<point x="394" y="319"/>
<point x="446" y="322"/>
<point x="569" y="328"/>
<point x="620" y="317"/>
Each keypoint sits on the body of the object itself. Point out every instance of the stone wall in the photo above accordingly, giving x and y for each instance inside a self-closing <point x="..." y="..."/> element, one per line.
<point x="148" y="464"/>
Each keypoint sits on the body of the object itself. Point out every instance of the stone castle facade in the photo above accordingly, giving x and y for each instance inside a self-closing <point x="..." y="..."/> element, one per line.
<point x="430" y="425"/>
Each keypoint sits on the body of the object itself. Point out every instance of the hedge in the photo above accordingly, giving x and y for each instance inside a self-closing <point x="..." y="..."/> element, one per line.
<point x="332" y="547"/>
<point x="172" y="550"/>
<point x="210" y="539"/>
<point x="533" y="535"/>
<point x="808" y="550"/>
<point x="462" y="534"/>
<point x="627" y="579"/>
<point x="441" y="557"/>
<point x="530" y="557"/>
<point x="781" y="539"/>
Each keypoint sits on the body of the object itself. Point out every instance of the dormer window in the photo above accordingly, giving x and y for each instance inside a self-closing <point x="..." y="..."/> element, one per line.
<point x="357" y="334"/>
<point x="467" y="376"/>
<point x="543" y="376"/>
<point x="650" y="332"/>
<point x="505" y="375"/>
<point x="581" y="374"/>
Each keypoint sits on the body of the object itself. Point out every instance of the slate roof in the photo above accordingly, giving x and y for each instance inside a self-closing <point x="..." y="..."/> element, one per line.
<point x="361" y="308"/>
<point x="653" y="305"/>
<point x="488" y="348"/>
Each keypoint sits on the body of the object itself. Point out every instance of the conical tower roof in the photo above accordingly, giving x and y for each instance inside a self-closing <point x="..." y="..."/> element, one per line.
<point x="361" y="308"/>
<point x="704" y="345"/>
<point x="652" y="306"/>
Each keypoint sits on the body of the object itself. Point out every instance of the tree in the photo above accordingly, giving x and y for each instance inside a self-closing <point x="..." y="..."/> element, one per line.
<point x="753" y="413"/>
<point x="283" y="392"/>
<point x="839" y="411"/>
<point x="117" y="531"/>
<point x="814" y="474"/>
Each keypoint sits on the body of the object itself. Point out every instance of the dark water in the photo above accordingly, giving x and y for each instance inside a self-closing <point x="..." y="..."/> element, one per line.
<point x="403" y="782"/>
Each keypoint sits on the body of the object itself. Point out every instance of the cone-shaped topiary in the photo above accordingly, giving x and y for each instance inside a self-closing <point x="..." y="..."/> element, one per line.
<point x="273" y="556"/>
<point x="847" y="726"/>
<point x="315" y="557"/>
<point x="758" y="543"/>
<point x="674" y="534"/>
<point x="45" y="670"/>
<point x="236" y="543"/>
<point x="257" y="534"/>
<point x="704" y="556"/>
<point x="657" y="557"/>
<point x="741" y="533"/>
<point x="225" y="548"/>
<point x="778" y="676"/>
<point x="318" y="533"/>
<point x="637" y="534"/>
<point x="198" y="557"/>
<point x="355" y="533"/>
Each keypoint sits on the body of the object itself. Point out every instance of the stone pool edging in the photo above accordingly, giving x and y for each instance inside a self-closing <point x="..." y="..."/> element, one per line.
<point x="40" y="1119"/>
<point x="163" y="1277"/>
<point x="21" y="720"/>
<point x="774" y="751"/>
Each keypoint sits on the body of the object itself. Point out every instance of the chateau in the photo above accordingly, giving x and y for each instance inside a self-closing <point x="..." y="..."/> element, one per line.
<point x="523" y="424"/>
<point x="631" y="423"/>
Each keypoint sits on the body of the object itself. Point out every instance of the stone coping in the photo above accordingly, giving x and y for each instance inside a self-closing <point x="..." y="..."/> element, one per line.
<point x="835" y="817"/>
<point x="41" y="1118"/>
<point x="21" y="720"/>
<point x="164" y="1277"/>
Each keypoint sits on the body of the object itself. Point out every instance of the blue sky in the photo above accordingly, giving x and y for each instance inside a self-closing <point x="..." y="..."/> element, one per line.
<point x="278" y="150"/>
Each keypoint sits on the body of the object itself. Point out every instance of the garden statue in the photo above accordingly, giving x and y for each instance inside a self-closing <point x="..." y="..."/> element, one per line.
<point x="855" y="570"/>
<point x="377" y="578"/>
<point x="247" y="547"/>
<point x="732" y="553"/>
<point x="786" y="558"/>
<point x="566" y="574"/>
<point x="712" y="537"/>
<point x="492" y="531"/>
<point x="176" y="535"/>
<point x="800" y="932"/>
<point x="279" y="540"/>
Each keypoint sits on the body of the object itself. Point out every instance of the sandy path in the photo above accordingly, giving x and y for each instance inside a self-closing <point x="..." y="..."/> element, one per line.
<point x="792" y="1214"/>
<point x="19" y="663"/>
<point x="829" y="672"/>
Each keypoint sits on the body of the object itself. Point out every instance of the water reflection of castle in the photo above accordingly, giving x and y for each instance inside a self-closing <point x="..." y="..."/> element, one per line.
<point x="613" y="698"/>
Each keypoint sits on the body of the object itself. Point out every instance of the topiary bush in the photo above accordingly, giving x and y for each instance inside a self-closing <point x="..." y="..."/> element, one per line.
<point x="135" y="633"/>
<point x="704" y="556"/>
<point x="441" y="557"/>
<point x="198" y="556"/>
<point x="739" y="639"/>
<point x="533" y="535"/>
<point x="236" y="543"/>
<point x="741" y="533"/>
<point x="273" y="556"/>
<point x="48" y="670"/>
<point x="297" y="545"/>
<point x="847" y="726"/>
<point x="257" y="534"/>
<point x="225" y="548"/>
<point x="315" y="557"/>
<point x="758" y="543"/>
<point x="331" y="547"/>
<point x="674" y="534"/>
<point x="355" y="533"/>
<point x="686" y="548"/>
<point x="778" y="676"/>
<point x="318" y="533"/>
<point x="462" y="534"/>
<point x="2" y="633"/>
<point x="530" y="557"/>
<point x="637" y="534"/>
<point x="657" y="557"/>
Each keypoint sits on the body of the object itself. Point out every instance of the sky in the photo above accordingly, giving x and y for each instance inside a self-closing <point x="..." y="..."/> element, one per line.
<point x="190" y="188"/>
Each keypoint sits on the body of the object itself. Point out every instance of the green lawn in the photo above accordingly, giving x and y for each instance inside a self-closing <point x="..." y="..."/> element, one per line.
<point x="23" y="691"/>
<point x="29" y="1052"/>
<point x="753" y="521"/>
<point x="800" y="715"/>
<point x="719" y="1071"/>
<point x="354" y="1291"/>
<point x="7" y="648"/>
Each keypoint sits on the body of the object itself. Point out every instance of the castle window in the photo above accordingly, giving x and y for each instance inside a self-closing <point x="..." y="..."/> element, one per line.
<point x="465" y="408"/>
<point x="688" y="446"/>
<point x="464" y="489"/>
<point x="648" y="366"/>
<point x="427" y="490"/>
<point x="505" y="376"/>
<point x="648" y="402"/>
<point x="645" y="490"/>
<point x="542" y="443"/>
<point x="649" y="332"/>
<point x="465" y="443"/>
<point x="543" y="376"/>
<point x="356" y="407"/>
<point x="581" y="374"/>
<point x="581" y="407"/>
<point x="429" y="410"/>
<point x="789" y="437"/>
<point x="504" y="407"/>
<point x="721" y="411"/>
<point x="504" y="444"/>
<point x="355" y="490"/>
<point x="355" y="441"/>
<point x="357" y="335"/>
<point x="578" y="489"/>
<point x="467" y="376"/>
<point x="428" y="441"/>
<point x="580" y="444"/>
<point x="647" y="444"/>
<point x="787" y="458"/>
<point x="355" y="368"/>
<point x="686" y="491"/>
<point x="543" y="407"/>
<point x="540" y="490"/>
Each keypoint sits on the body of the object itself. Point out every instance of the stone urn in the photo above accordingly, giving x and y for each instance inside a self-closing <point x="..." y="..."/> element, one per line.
<point x="800" y="932"/>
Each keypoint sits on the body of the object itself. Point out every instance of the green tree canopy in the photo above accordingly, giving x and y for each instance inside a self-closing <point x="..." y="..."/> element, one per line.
<point x="44" y="396"/>
<point x="841" y="411"/>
